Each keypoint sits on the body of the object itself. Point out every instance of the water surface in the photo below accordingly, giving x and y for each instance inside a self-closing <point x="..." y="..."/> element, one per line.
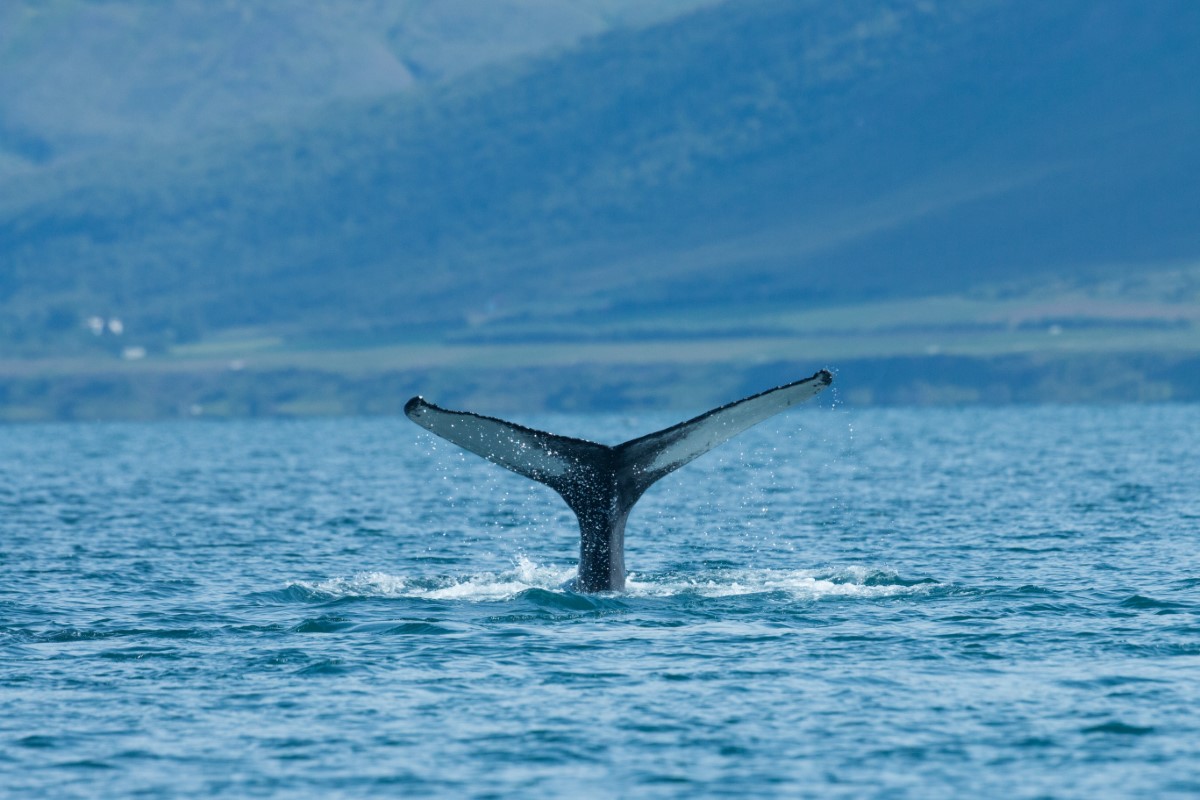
<point x="879" y="603"/>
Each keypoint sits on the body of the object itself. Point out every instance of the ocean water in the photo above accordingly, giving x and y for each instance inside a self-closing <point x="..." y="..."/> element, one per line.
<point x="838" y="603"/>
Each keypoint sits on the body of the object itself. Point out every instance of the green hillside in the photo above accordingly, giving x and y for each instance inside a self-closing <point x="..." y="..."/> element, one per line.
<point x="694" y="180"/>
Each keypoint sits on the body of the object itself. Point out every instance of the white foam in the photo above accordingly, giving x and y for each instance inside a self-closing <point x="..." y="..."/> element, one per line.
<point x="806" y="584"/>
<point x="526" y="574"/>
<point x="362" y="584"/>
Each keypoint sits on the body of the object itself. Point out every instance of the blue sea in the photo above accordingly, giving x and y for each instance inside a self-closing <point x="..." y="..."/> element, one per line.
<point x="841" y="602"/>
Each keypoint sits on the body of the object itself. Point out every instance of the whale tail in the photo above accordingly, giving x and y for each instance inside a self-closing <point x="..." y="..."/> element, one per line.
<point x="599" y="482"/>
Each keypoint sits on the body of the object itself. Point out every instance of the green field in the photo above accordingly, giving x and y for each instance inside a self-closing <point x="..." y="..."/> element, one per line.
<point x="1044" y="346"/>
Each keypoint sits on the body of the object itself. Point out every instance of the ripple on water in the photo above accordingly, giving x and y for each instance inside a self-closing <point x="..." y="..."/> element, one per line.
<point x="325" y="667"/>
<point x="1119" y="728"/>
<point x="949" y="603"/>
<point x="1142" y="602"/>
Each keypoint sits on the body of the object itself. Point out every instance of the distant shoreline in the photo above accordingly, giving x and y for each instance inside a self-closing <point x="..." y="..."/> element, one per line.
<point x="144" y="390"/>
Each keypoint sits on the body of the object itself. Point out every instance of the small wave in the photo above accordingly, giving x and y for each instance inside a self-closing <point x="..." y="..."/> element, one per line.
<point x="68" y="635"/>
<point x="87" y="763"/>
<point x="326" y="666"/>
<point x="139" y="653"/>
<point x="547" y="585"/>
<point x="524" y="576"/>
<point x="322" y="625"/>
<point x="806" y="584"/>
<point x="425" y="629"/>
<point x="1142" y="602"/>
<point x="39" y="742"/>
<point x="1119" y="728"/>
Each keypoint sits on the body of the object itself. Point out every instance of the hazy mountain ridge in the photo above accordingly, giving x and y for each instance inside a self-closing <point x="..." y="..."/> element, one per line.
<point x="775" y="122"/>
<point x="78" y="76"/>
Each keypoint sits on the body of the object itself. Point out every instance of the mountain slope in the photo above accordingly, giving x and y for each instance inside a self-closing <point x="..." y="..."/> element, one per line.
<point x="79" y="76"/>
<point x="753" y="153"/>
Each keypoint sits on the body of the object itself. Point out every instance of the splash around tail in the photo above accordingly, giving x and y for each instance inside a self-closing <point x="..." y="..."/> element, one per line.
<point x="601" y="483"/>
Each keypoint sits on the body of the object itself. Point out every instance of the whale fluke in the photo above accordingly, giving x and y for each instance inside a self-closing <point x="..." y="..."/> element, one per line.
<point x="599" y="482"/>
